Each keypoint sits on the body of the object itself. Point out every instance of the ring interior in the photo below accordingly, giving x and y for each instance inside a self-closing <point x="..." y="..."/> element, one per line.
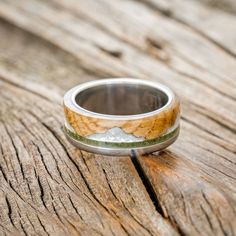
<point x="121" y="99"/>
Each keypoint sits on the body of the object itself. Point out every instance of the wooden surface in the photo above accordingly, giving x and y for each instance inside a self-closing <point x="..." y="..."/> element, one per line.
<point x="47" y="187"/>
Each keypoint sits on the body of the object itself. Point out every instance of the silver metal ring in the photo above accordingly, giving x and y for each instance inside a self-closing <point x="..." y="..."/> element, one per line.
<point x="121" y="116"/>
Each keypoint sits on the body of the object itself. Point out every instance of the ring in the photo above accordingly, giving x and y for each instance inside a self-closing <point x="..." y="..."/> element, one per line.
<point x="121" y="116"/>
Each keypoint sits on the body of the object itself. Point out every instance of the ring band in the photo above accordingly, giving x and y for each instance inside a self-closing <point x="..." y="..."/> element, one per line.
<point x="121" y="116"/>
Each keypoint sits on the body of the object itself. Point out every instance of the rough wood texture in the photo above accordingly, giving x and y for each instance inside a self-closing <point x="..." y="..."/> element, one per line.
<point x="50" y="188"/>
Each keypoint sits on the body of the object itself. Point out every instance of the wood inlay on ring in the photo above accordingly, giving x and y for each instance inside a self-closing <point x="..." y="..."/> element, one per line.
<point x="148" y="128"/>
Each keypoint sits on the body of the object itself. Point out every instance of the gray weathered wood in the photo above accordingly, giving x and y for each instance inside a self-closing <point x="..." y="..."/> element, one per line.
<point x="49" y="187"/>
<point x="216" y="25"/>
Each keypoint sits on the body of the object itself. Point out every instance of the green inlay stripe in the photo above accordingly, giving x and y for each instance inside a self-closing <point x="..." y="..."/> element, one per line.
<point x="121" y="144"/>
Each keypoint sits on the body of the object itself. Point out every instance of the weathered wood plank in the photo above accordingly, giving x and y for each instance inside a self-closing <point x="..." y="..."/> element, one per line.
<point x="216" y="25"/>
<point x="144" y="66"/>
<point x="200" y="166"/>
<point x="48" y="53"/>
<point x="43" y="177"/>
<point x="167" y="41"/>
<point x="191" y="87"/>
<point x="199" y="206"/>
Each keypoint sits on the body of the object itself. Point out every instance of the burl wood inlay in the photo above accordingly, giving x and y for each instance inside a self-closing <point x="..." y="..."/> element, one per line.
<point x="148" y="128"/>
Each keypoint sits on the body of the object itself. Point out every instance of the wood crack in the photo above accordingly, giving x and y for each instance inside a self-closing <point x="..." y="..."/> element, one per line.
<point x="146" y="183"/>
<point x="209" y="204"/>
<point x="207" y="217"/>
<point x="15" y="150"/>
<point x="109" y="185"/>
<point x="74" y="207"/>
<point x="9" y="210"/>
<point x="44" y="163"/>
<point x="42" y="225"/>
<point x="41" y="190"/>
<point x="151" y="192"/>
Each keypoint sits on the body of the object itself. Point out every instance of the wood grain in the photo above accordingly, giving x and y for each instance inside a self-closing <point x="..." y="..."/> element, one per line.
<point x="148" y="128"/>
<point x="50" y="188"/>
<point x="48" y="185"/>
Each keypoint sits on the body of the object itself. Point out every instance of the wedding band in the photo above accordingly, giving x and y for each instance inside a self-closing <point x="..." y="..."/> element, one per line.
<point x="121" y="116"/>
